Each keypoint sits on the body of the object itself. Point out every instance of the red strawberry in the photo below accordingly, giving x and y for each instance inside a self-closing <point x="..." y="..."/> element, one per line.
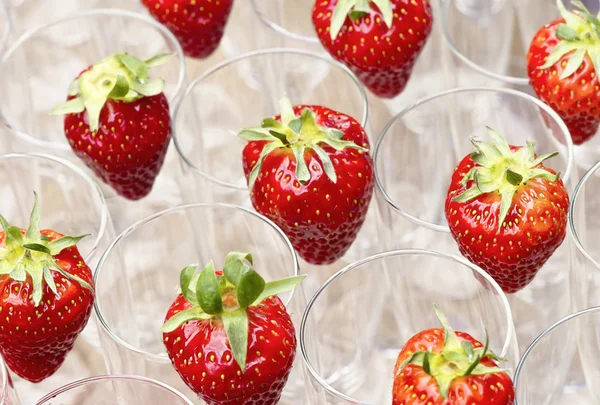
<point x="378" y="40"/>
<point x="117" y="121"/>
<point x="197" y="24"/>
<point x="506" y="211"/>
<point x="443" y="367"/>
<point x="228" y="336"/>
<point x="320" y="203"/>
<point x="563" y="64"/>
<point x="46" y="297"/>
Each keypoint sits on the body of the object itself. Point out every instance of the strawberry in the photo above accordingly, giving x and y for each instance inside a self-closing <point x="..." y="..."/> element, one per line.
<point x="379" y="40"/>
<point x="117" y="121"/>
<point x="307" y="173"/>
<point x="563" y="63"/>
<point x="506" y="211"/>
<point x="442" y="367"/>
<point x="46" y="297"/>
<point x="229" y="336"/>
<point x="197" y="24"/>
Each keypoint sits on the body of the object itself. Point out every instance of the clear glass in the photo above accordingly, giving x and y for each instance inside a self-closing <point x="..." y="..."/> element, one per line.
<point x="571" y="350"/>
<point x="110" y="390"/>
<point x="40" y="65"/>
<point x="416" y="155"/>
<point x="5" y="25"/>
<point x="8" y="394"/>
<point x="138" y="277"/>
<point x="72" y="204"/>
<point x="350" y="338"/>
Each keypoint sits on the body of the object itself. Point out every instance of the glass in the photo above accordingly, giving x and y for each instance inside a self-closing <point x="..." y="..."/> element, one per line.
<point x="72" y="204"/>
<point x="416" y="155"/>
<point x="350" y="338"/>
<point x="109" y="390"/>
<point x="138" y="277"/>
<point x="5" y="25"/>
<point x="571" y="350"/>
<point x="40" y="65"/>
<point x="8" y="394"/>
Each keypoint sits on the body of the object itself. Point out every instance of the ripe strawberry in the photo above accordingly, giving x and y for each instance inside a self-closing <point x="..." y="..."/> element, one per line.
<point x="506" y="211"/>
<point x="307" y="173"/>
<point x="229" y="336"/>
<point x="378" y="40"/>
<point x="117" y="121"/>
<point x="197" y="24"/>
<point x="442" y="367"/>
<point x="563" y="64"/>
<point x="46" y="297"/>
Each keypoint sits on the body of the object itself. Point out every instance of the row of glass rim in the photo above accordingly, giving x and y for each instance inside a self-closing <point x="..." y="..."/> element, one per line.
<point x="5" y="389"/>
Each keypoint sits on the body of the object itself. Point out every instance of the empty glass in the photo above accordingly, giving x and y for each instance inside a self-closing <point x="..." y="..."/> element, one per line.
<point x="556" y="351"/>
<point x="416" y="156"/>
<point x="350" y="338"/>
<point x="138" y="277"/>
<point x="117" y="389"/>
<point x="71" y="203"/>
<point x="8" y="394"/>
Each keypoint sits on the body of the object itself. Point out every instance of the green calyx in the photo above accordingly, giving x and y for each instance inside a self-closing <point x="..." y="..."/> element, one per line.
<point x="457" y="359"/>
<point x="298" y="134"/>
<point x="357" y="9"/>
<point x="579" y="34"/>
<point x="33" y="254"/>
<point x="503" y="170"/>
<point x="119" y="77"/>
<point x="226" y="298"/>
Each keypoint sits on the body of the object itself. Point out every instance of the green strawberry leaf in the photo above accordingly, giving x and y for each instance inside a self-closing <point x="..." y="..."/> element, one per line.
<point x="194" y="313"/>
<point x="235" y="262"/>
<point x="249" y="288"/>
<point x="33" y="231"/>
<point x="137" y="67"/>
<point x="49" y="279"/>
<point x="18" y="273"/>
<point x="37" y="248"/>
<point x="236" y="328"/>
<point x="63" y="243"/>
<point x="185" y="280"/>
<point x="277" y="287"/>
<point x="158" y="60"/>
<point x="207" y="291"/>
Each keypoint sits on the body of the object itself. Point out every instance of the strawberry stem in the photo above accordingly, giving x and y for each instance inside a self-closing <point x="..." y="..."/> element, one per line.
<point x="226" y="297"/>
<point x="357" y="9"/>
<point x="120" y="77"/>
<point x="33" y="254"/>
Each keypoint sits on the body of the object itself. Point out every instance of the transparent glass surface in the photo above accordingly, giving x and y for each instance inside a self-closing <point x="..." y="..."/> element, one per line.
<point x="5" y="25"/>
<point x="138" y="277"/>
<point x="8" y="394"/>
<point x="112" y="390"/>
<point x="569" y="351"/>
<point x="416" y="156"/>
<point x="71" y="203"/>
<point x="350" y="338"/>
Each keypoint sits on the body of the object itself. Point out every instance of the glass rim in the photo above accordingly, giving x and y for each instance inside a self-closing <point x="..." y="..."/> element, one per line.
<point x="419" y="104"/>
<point x="232" y="61"/>
<point x="5" y="389"/>
<point x="278" y="28"/>
<point x="132" y="228"/>
<point x="104" y="215"/>
<point x="5" y="56"/>
<point x="395" y="253"/>
<point x="117" y="377"/>
<point x="8" y="27"/>
<point x="522" y="81"/>
<point x="542" y="336"/>
<point x="572" y="208"/>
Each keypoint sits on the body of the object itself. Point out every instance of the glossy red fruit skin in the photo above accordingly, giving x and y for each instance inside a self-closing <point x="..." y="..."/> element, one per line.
<point x="34" y="342"/>
<point x="535" y="227"/>
<point x="413" y="386"/>
<point x="321" y="219"/>
<point x="576" y="98"/>
<point x="201" y="354"/>
<point x="382" y="58"/>
<point x="198" y="25"/>
<point x="129" y="148"/>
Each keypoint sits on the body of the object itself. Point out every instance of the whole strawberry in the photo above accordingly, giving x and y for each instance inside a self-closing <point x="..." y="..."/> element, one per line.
<point x="46" y="297"/>
<point x="506" y="211"/>
<point x="229" y="336"/>
<point x="563" y="66"/>
<point x="378" y="40"/>
<point x="198" y="25"/>
<point x="117" y="121"/>
<point x="442" y="367"/>
<point x="308" y="171"/>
